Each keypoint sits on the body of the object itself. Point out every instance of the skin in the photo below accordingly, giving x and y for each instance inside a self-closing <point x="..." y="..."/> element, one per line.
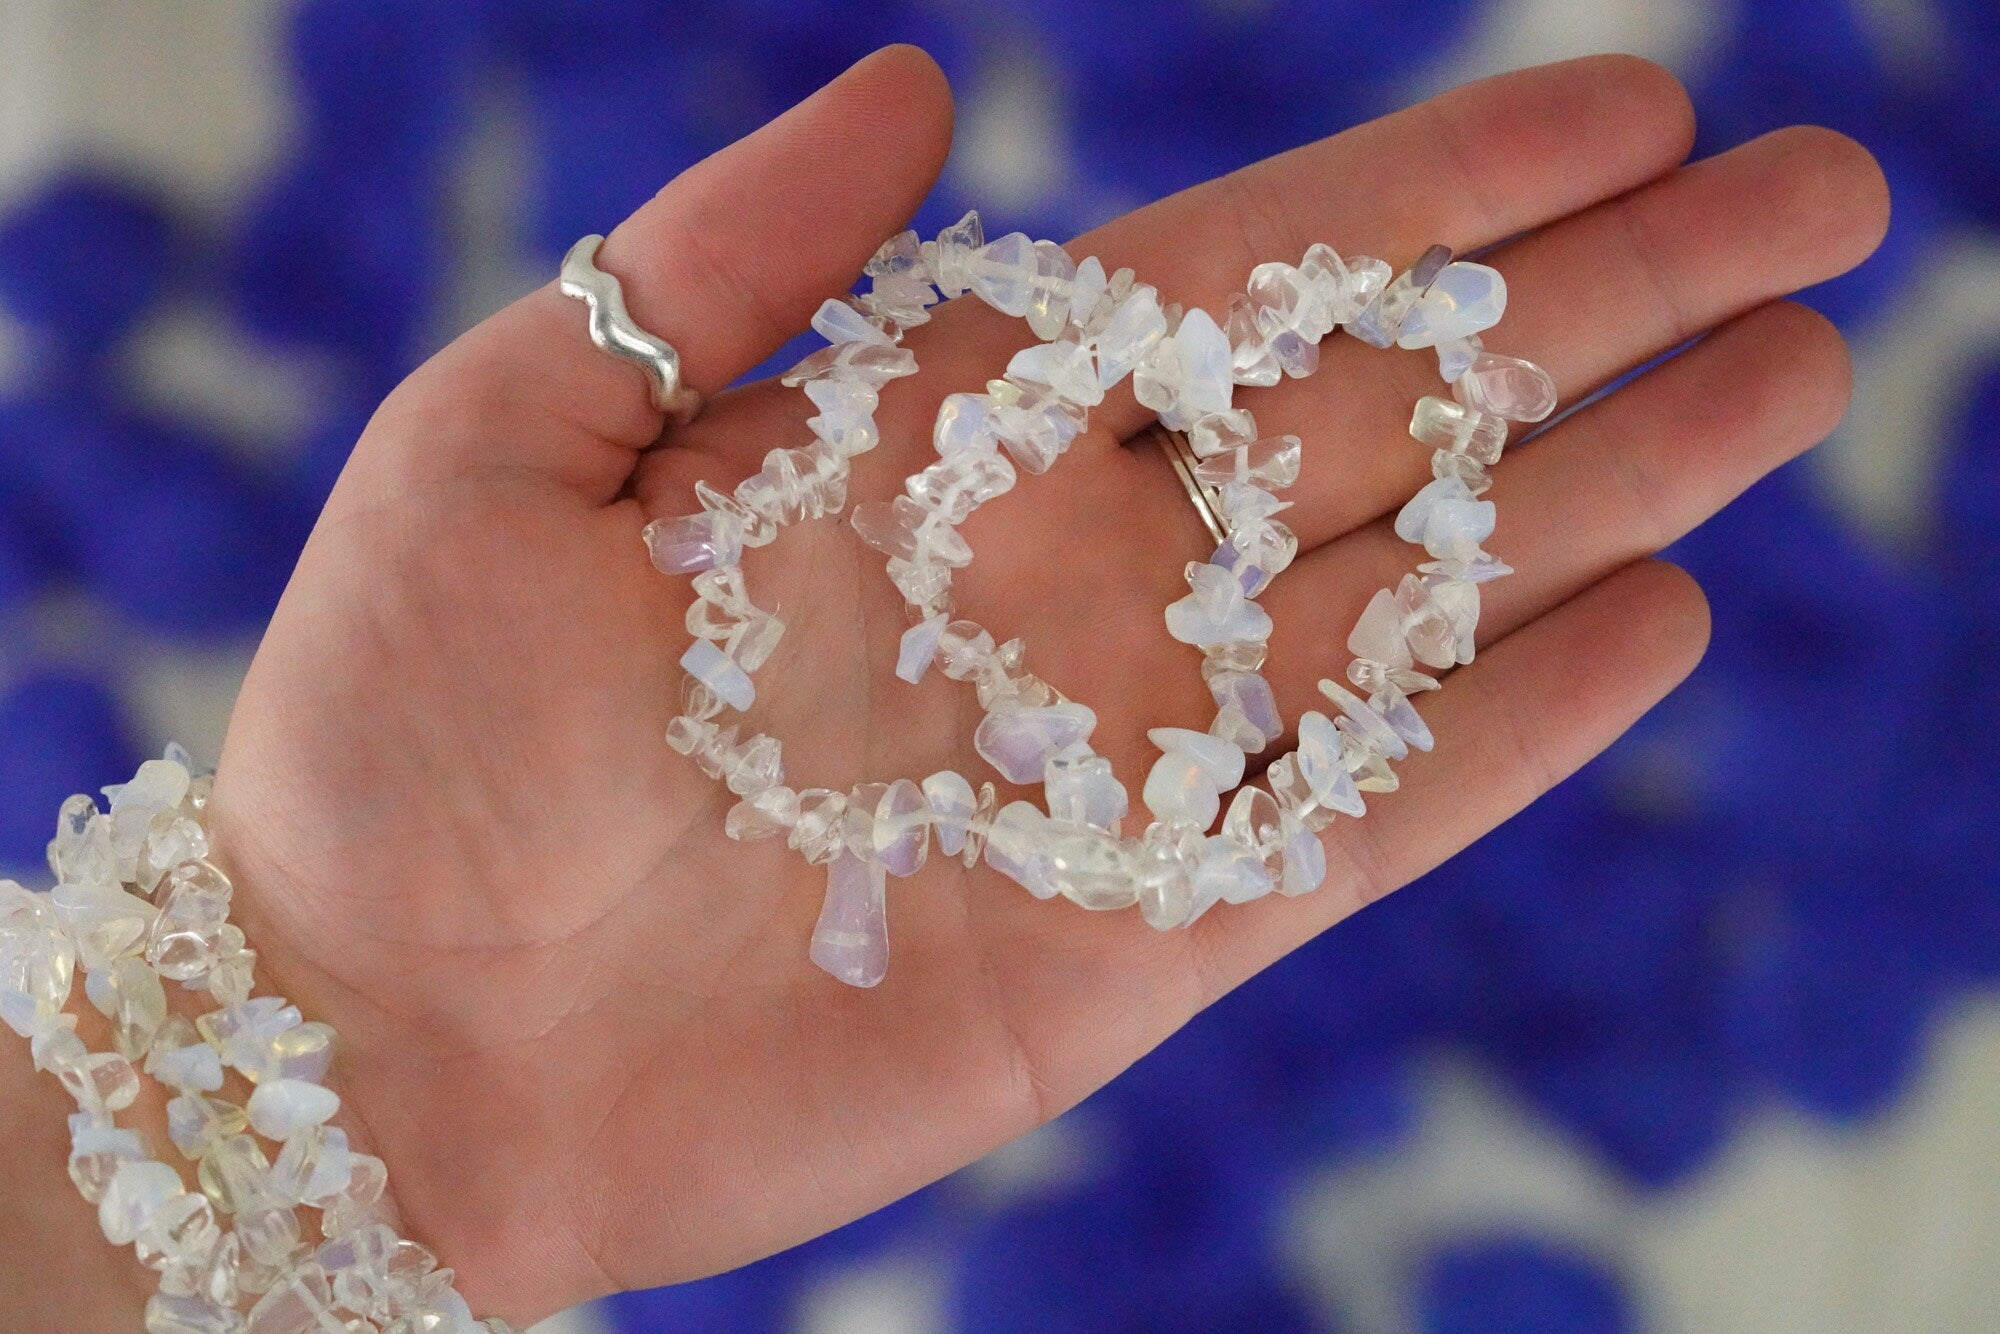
<point x="578" y="1023"/>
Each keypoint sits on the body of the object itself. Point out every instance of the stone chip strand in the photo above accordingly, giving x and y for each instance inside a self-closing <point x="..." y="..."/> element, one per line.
<point x="1100" y="328"/>
<point x="138" y="904"/>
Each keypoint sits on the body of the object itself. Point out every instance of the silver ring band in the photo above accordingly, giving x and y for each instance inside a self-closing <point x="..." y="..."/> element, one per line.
<point x="612" y="330"/>
<point x="1181" y="456"/>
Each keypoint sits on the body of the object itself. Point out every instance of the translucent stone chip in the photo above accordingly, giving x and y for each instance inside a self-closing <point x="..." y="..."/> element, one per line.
<point x="1216" y="610"/>
<point x="694" y="542"/>
<point x="817" y="834"/>
<point x="1002" y="273"/>
<point x="1380" y="323"/>
<point x="1018" y="740"/>
<point x="1017" y="847"/>
<point x="1271" y="463"/>
<point x="1443" y="424"/>
<point x="1090" y="867"/>
<point x="1136" y="325"/>
<point x="851" y="938"/>
<point x="763" y="814"/>
<point x="918" y="648"/>
<point x="281" y="1108"/>
<point x="839" y="322"/>
<point x="104" y="921"/>
<point x="136" y="1191"/>
<point x="190" y="1315"/>
<point x="953" y="806"/>
<point x="715" y="669"/>
<point x="1506" y="386"/>
<point x="1247" y="696"/>
<point x="1446" y="519"/>
<point x="1363" y="722"/>
<point x="1079" y="788"/>
<point x="1464" y="299"/>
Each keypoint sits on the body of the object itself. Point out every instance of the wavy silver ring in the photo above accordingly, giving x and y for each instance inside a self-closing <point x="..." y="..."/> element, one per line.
<point x="612" y="329"/>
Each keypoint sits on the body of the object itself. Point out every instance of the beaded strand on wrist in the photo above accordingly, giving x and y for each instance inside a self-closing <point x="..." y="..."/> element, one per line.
<point x="140" y="905"/>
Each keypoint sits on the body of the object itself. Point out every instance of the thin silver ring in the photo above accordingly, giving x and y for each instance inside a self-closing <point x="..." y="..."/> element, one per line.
<point x="1180" y="454"/>
<point x="613" y="331"/>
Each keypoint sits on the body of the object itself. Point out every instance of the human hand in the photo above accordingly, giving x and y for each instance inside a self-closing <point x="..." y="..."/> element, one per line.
<point x="578" y="1022"/>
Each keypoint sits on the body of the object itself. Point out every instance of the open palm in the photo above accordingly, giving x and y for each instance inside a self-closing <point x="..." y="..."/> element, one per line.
<point x="579" y="1023"/>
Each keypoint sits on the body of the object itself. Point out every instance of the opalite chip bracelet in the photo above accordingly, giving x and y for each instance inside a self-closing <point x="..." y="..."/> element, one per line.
<point x="140" y="906"/>
<point x="1099" y="329"/>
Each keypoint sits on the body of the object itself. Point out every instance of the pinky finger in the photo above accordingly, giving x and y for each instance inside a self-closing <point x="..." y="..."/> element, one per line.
<point x="1528" y="713"/>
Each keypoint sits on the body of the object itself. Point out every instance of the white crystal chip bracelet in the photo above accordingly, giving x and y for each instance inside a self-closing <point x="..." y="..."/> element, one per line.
<point x="138" y="904"/>
<point x="1101" y="328"/>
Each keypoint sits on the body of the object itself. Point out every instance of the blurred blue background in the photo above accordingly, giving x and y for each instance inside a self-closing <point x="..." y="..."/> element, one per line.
<point x="1699" y="1042"/>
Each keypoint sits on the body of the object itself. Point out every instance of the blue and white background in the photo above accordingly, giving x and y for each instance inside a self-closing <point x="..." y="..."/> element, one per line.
<point x="1708" y="1040"/>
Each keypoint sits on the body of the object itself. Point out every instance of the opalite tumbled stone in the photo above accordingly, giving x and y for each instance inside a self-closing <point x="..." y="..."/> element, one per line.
<point x="918" y="648"/>
<point x="1134" y="327"/>
<point x="190" y="1315"/>
<point x="1446" y="519"/>
<point x="1380" y="323"/>
<point x="1032" y="422"/>
<point x="1456" y="355"/>
<point x="693" y="543"/>
<point x="851" y="939"/>
<point x="1443" y="424"/>
<point x="1228" y="872"/>
<point x="280" y="1108"/>
<point x="1019" y="741"/>
<point x="1064" y="367"/>
<point x="839" y="322"/>
<point x="1002" y="273"/>
<point x="817" y="833"/>
<point x="1091" y="868"/>
<point x="1397" y="711"/>
<point x="1178" y="788"/>
<point x="1378" y="633"/>
<point x="1271" y="463"/>
<point x="1206" y="365"/>
<point x="196" y="1123"/>
<point x="1517" y="390"/>
<point x="872" y="364"/>
<point x="1080" y="788"/>
<point x="1055" y="279"/>
<point x="1088" y="290"/>
<point x="1221" y="762"/>
<point x="1017" y="847"/>
<point x="1223" y="433"/>
<point x="1304" y="867"/>
<point x="718" y="671"/>
<point x="97" y="1149"/>
<point x="960" y="482"/>
<point x="1249" y="694"/>
<point x="104" y="921"/>
<point x="1326" y="778"/>
<point x="1463" y="299"/>
<point x="1364" y="722"/>
<point x="899" y="832"/>
<point x="952" y="804"/>
<point x="137" y="1189"/>
<point x="1216" y="611"/>
<point x="101" y="1082"/>
<point x="1251" y="360"/>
